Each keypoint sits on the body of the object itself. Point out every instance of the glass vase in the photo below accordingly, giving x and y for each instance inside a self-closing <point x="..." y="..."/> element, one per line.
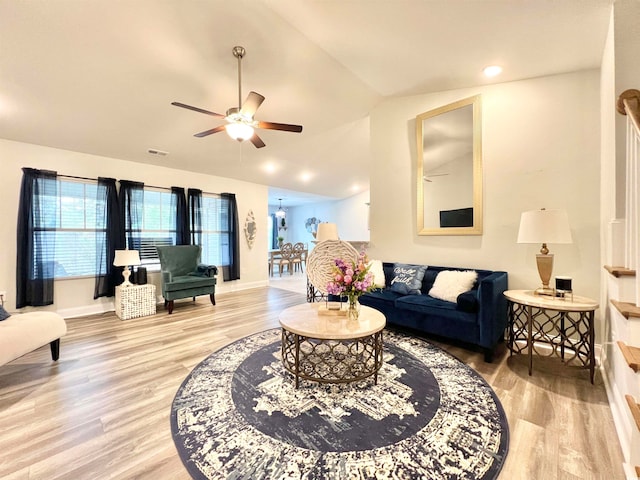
<point x="353" y="309"/>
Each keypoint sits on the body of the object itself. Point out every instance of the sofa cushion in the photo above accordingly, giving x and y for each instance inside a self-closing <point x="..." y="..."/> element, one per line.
<point x="186" y="282"/>
<point x="429" y="278"/>
<point x="407" y="279"/>
<point x="433" y="306"/>
<point x="451" y="283"/>
<point x="385" y="294"/>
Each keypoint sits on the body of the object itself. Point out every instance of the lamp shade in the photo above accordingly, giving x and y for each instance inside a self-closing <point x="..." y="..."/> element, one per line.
<point x="544" y="226"/>
<point x="124" y="258"/>
<point x="326" y="231"/>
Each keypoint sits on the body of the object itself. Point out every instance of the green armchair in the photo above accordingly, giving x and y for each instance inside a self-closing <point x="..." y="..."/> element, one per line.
<point x="183" y="275"/>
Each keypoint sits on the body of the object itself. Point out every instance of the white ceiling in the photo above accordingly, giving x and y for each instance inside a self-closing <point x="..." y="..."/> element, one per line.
<point x="99" y="76"/>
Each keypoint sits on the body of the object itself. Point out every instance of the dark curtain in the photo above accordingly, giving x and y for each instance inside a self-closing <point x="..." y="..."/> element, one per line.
<point x="230" y="254"/>
<point x="37" y="221"/>
<point x="107" y="218"/>
<point x="131" y="201"/>
<point x="274" y="232"/>
<point x="195" y="215"/>
<point x="179" y="209"/>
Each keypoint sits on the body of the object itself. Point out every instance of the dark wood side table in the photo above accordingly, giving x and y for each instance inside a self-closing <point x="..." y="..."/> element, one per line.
<point x="551" y="326"/>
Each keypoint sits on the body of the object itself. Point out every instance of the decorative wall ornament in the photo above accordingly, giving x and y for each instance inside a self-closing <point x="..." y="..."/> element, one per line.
<point x="311" y="224"/>
<point x="250" y="229"/>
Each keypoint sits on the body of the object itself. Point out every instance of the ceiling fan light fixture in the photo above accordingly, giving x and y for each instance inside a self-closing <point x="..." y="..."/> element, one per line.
<point x="239" y="131"/>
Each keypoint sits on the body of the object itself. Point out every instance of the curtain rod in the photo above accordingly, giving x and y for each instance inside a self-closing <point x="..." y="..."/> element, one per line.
<point x="150" y="186"/>
<point x="78" y="178"/>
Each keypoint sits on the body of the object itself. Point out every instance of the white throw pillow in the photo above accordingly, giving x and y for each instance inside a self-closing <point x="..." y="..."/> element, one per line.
<point x="375" y="267"/>
<point x="451" y="283"/>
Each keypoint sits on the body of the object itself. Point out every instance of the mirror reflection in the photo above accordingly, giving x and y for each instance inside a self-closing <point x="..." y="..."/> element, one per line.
<point x="450" y="169"/>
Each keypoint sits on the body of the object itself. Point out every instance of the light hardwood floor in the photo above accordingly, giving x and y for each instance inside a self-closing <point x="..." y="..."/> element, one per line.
<point x="102" y="411"/>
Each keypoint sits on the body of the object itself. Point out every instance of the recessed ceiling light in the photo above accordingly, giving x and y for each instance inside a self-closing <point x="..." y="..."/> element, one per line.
<point x="269" y="167"/>
<point x="492" y="70"/>
<point x="306" y="176"/>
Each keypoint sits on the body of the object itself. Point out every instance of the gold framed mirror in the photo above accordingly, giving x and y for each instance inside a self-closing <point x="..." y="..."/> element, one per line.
<point x="449" y="169"/>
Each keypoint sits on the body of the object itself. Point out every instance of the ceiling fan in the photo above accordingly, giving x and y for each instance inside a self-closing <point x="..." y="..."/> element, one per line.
<point x="240" y="123"/>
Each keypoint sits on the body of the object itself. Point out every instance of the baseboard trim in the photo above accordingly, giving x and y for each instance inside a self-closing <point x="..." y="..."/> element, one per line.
<point x="85" y="310"/>
<point x="619" y="417"/>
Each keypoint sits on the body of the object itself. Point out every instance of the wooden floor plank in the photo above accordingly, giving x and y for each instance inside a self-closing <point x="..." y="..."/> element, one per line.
<point x="102" y="411"/>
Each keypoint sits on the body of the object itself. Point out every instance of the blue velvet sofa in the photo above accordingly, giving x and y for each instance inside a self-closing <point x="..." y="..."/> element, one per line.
<point x="478" y="317"/>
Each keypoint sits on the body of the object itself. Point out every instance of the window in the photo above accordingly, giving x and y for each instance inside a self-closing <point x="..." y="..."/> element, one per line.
<point x="158" y="226"/>
<point x="71" y="225"/>
<point x="215" y="229"/>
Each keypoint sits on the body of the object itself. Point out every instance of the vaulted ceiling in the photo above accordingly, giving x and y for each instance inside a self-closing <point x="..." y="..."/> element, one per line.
<point x="99" y="76"/>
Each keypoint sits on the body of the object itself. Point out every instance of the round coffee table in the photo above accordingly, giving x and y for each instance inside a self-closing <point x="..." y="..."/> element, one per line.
<point x="331" y="348"/>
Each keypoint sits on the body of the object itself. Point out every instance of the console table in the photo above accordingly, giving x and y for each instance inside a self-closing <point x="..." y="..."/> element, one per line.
<point x="135" y="301"/>
<point x="563" y="325"/>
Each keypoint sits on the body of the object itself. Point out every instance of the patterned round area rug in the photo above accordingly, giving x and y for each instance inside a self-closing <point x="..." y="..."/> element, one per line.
<point x="238" y="415"/>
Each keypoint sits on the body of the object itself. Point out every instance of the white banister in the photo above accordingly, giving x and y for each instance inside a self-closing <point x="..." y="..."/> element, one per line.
<point x="629" y="104"/>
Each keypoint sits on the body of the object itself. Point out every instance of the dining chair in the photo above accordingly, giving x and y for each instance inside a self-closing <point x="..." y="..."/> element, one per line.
<point x="286" y="253"/>
<point x="296" y="258"/>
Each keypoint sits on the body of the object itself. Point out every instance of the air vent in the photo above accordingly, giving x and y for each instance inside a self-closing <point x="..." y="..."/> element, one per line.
<point x="153" y="151"/>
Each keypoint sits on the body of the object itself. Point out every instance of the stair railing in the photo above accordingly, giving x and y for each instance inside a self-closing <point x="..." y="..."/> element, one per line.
<point x="629" y="104"/>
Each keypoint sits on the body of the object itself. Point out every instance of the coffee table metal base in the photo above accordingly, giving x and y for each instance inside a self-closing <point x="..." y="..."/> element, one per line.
<point x="332" y="361"/>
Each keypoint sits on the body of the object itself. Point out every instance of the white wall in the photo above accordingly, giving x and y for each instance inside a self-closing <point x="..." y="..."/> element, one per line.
<point x="75" y="296"/>
<point x="540" y="149"/>
<point x="349" y="214"/>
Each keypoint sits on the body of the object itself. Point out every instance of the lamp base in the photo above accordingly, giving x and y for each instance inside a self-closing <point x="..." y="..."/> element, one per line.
<point x="550" y="292"/>
<point x="126" y="273"/>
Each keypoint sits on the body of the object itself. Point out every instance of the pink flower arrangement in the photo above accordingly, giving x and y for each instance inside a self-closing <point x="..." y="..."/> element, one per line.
<point x="351" y="279"/>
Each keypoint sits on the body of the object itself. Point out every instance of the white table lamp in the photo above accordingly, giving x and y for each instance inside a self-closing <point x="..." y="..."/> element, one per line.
<point x="124" y="258"/>
<point x="326" y="231"/>
<point x="544" y="226"/>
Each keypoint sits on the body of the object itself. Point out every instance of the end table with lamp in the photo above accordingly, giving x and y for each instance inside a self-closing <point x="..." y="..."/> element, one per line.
<point x="132" y="301"/>
<point x="563" y="326"/>
<point x="553" y="318"/>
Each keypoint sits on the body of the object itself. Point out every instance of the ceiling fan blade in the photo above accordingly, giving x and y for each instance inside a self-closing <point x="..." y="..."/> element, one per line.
<point x="257" y="141"/>
<point x="196" y="109"/>
<point x="251" y="104"/>
<point x="280" y="126"/>
<point x="209" y="132"/>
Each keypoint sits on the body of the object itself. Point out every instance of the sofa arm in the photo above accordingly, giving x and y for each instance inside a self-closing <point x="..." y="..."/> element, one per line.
<point x="492" y="315"/>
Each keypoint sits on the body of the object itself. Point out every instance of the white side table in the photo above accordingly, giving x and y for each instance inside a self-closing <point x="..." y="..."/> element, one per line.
<point x="135" y="301"/>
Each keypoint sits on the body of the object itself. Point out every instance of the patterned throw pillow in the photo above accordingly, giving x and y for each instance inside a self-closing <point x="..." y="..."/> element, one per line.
<point x="407" y="279"/>
<point x="451" y="283"/>
<point x="3" y="313"/>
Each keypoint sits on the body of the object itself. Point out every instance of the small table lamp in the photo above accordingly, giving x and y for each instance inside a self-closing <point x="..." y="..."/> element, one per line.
<point x="124" y="258"/>
<point x="544" y="226"/>
<point x="326" y="231"/>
